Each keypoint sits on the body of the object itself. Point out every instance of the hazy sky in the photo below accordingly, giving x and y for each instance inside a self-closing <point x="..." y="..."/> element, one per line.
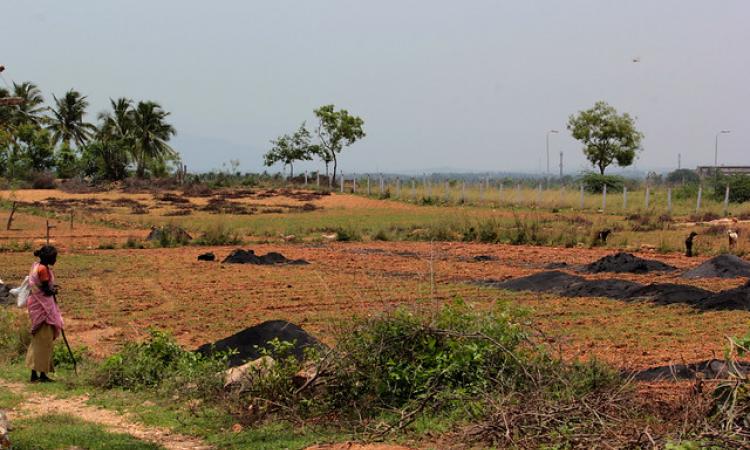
<point x="469" y="85"/>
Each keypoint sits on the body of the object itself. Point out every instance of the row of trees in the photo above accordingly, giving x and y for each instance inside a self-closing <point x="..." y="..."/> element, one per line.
<point x="34" y="137"/>
<point x="335" y="131"/>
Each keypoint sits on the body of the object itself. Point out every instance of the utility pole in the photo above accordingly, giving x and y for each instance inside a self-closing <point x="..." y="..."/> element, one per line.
<point x="548" y="133"/>
<point x="716" y="152"/>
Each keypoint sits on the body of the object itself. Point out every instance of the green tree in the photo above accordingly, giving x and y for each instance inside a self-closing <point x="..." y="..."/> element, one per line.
<point x="151" y="133"/>
<point x="30" y="111"/>
<point x="104" y="160"/>
<point x="67" y="122"/>
<point x="32" y="150"/>
<point x="336" y="130"/>
<point x="683" y="176"/>
<point x="290" y="148"/>
<point x="606" y="135"/>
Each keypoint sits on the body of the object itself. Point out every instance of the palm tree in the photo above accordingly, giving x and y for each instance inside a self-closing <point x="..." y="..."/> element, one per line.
<point x="150" y="133"/>
<point x="32" y="108"/>
<point x="67" y="122"/>
<point x="117" y="124"/>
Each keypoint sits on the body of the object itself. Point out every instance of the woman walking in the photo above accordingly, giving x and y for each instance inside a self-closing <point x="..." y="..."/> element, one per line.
<point x="46" y="320"/>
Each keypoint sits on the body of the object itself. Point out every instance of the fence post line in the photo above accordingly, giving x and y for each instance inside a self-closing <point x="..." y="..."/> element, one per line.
<point x="624" y="197"/>
<point x="318" y="182"/>
<point x="342" y="182"/>
<point x="500" y="193"/>
<point x="381" y="184"/>
<point x="305" y="178"/>
<point x="581" y="197"/>
<point x="539" y="195"/>
<point x="354" y="185"/>
<point x="669" y="200"/>
<point x="700" y="197"/>
<point x="369" y="192"/>
<point x="604" y="198"/>
<point x="413" y="190"/>
<point x="726" y="200"/>
<point x="398" y="187"/>
<point x="648" y="196"/>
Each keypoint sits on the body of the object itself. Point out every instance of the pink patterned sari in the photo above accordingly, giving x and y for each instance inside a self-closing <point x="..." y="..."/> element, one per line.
<point x="43" y="308"/>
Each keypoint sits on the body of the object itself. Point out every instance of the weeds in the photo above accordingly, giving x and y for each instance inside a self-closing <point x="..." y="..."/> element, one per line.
<point x="219" y="234"/>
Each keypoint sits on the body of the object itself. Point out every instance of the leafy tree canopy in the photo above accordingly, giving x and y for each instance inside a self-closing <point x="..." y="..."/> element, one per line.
<point x="290" y="148"/>
<point x="608" y="137"/>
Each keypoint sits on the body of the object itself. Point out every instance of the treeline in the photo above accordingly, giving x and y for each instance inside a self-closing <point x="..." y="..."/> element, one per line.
<point x="40" y="141"/>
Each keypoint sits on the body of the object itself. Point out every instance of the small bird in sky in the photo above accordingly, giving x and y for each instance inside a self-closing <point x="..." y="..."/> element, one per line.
<point x="637" y="59"/>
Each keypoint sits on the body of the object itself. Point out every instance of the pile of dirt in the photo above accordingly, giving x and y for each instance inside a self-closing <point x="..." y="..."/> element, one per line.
<point x="566" y="285"/>
<point x="722" y="266"/>
<point x="220" y="205"/>
<point x="626" y="263"/>
<point x="240" y="256"/>
<point x="207" y="257"/>
<point x="710" y="369"/>
<point x="249" y="342"/>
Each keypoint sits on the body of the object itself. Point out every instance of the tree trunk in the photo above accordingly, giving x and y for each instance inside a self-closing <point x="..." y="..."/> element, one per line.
<point x="335" y="166"/>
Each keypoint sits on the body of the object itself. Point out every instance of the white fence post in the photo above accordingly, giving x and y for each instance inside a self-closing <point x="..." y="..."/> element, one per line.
<point x="481" y="191"/>
<point x="398" y="187"/>
<point x="604" y="197"/>
<point x="382" y="189"/>
<point x="369" y="191"/>
<point x="354" y="185"/>
<point x="648" y="196"/>
<point x="318" y="180"/>
<point x="726" y="200"/>
<point x="413" y="190"/>
<point x="500" y="193"/>
<point x="700" y="197"/>
<point x="305" y="178"/>
<point x="342" y="182"/>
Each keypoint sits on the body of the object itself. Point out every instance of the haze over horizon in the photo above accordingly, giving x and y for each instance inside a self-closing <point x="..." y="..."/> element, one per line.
<point x="469" y="86"/>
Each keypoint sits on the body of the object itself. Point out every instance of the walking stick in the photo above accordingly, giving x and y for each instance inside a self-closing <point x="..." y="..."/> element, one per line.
<point x="65" y="339"/>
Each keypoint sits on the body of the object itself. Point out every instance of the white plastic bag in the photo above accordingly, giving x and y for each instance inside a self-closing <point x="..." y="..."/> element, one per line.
<point x="22" y="293"/>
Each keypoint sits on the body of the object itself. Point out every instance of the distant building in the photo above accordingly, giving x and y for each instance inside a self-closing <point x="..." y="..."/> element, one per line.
<point x="705" y="171"/>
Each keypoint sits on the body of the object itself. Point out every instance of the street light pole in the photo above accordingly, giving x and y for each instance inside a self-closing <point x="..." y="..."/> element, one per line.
<point x="548" y="133"/>
<point x="716" y="150"/>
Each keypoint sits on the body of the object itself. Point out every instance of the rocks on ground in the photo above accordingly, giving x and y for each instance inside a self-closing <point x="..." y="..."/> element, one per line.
<point x="250" y="342"/>
<point x="722" y="266"/>
<point x="240" y="256"/>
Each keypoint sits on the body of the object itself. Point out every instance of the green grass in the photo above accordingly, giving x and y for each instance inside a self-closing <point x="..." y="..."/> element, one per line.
<point x="61" y="432"/>
<point x="9" y="400"/>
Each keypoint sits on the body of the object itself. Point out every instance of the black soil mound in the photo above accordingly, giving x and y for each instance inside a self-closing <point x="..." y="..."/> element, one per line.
<point x="249" y="342"/>
<point x="552" y="281"/>
<point x="711" y="369"/>
<point x="626" y="263"/>
<point x="241" y="256"/>
<point x="567" y="285"/>
<point x="207" y="257"/>
<point x="722" y="266"/>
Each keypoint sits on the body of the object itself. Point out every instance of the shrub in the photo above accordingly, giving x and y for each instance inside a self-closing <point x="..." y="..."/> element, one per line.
<point x="14" y="334"/>
<point x="133" y="243"/>
<point x="594" y="182"/>
<point x="160" y="362"/>
<point x="683" y="176"/>
<point x="219" y="234"/>
<point x="43" y="180"/>
<point x="347" y="234"/>
<point x="739" y="188"/>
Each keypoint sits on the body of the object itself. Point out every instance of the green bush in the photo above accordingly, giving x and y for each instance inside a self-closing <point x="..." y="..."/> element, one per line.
<point x="159" y="362"/>
<point x="347" y="234"/>
<point x="594" y="182"/>
<point x="739" y="188"/>
<point x="219" y="235"/>
<point x="15" y="334"/>
<point x="683" y="176"/>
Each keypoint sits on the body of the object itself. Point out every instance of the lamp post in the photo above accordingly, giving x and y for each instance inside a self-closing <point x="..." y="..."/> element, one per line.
<point x="716" y="151"/>
<point x="548" y="133"/>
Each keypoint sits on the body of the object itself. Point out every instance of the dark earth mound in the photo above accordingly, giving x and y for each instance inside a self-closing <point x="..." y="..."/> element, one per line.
<point x="567" y="285"/>
<point x="722" y="266"/>
<point x="241" y="256"/>
<point x="626" y="263"/>
<point x="552" y="281"/>
<point x="207" y="257"/>
<point x="249" y="342"/>
<point x="710" y="369"/>
<point x="483" y="258"/>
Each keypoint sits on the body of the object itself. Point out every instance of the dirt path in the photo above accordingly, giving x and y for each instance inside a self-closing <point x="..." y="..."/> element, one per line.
<point x="35" y="404"/>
